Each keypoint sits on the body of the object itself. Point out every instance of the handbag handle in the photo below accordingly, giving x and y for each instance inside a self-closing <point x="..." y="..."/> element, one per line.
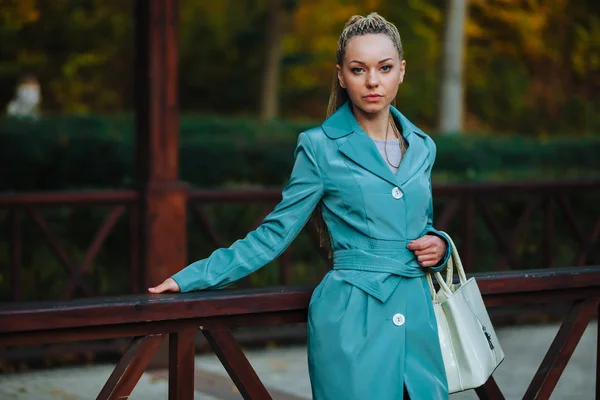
<point x="445" y="286"/>
<point x="457" y="263"/>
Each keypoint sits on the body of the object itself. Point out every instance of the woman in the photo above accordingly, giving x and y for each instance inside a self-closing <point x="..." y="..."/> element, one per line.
<point x="371" y="331"/>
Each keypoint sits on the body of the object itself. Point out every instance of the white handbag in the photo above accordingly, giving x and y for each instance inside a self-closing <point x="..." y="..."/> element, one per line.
<point x="470" y="348"/>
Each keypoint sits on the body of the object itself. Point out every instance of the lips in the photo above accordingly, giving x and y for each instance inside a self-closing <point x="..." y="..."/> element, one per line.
<point x="373" y="97"/>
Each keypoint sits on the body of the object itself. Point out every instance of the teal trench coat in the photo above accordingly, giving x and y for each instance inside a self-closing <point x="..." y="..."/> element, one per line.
<point x="371" y="326"/>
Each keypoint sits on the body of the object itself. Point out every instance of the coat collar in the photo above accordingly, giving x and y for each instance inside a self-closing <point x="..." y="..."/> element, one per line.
<point x="361" y="149"/>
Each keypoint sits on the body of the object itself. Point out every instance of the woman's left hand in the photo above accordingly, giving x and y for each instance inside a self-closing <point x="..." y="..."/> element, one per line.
<point x="429" y="249"/>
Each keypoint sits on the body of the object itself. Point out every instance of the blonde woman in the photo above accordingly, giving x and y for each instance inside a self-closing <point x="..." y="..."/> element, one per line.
<point x="371" y="328"/>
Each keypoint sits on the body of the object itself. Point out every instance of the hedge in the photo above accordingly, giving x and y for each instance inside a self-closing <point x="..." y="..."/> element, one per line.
<point x="94" y="152"/>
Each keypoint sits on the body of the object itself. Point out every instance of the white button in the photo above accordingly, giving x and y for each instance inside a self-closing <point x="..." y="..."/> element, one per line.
<point x="399" y="319"/>
<point x="397" y="193"/>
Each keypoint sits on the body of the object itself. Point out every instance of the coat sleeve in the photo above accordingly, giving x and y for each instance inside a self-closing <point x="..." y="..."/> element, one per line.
<point x="299" y="198"/>
<point x="430" y="229"/>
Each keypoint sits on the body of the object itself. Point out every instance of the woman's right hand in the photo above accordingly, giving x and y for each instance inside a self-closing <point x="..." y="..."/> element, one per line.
<point x="169" y="285"/>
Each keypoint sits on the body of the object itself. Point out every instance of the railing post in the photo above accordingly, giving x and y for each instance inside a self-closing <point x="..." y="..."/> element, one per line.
<point x="489" y="391"/>
<point x="548" y="229"/>
<point x="598" y="352"/>
<point x="285" y="267"/>
<point x="135" y="269"/>
<point x="162" y="229"/>
<point x="16" y="264"/>
<point x="181" y="364"/>
<point x="468" y="231"/>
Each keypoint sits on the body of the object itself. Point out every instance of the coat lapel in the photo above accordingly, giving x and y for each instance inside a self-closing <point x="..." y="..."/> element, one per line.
<point x="417" y="152"/>
<point x="360" y="148"/>
<point x="357" y="145"/>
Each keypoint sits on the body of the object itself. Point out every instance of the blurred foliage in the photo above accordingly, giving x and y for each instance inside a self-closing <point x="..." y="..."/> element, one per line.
<point x="80" y="152"/>
<point x="532" y="67"/>
<point x="81" y="51"/>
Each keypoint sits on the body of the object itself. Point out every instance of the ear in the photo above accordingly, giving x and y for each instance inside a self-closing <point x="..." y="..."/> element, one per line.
<point x="340" y="77"/>
<point x="402" y="70"/>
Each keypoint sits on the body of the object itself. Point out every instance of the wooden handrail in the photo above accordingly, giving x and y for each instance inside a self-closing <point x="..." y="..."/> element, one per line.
<point x="150" y="318"/>
<point x="274" y="193"/>
<point x="22" y="317"/>
<point x="72" y="198"/>
<point x="121" y="196"/>
<point x="497" y="288"/>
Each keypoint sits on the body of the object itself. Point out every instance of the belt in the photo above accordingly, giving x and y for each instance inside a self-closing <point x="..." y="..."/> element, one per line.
<point x="397" y="261"/>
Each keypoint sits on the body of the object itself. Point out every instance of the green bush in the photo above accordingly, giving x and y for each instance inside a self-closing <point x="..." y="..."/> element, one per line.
<point x="94" y="152"/>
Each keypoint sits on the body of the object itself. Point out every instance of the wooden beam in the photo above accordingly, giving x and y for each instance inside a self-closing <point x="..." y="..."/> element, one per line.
<point x="130" y="368"/>
<point x="598" y="354"/>
<point x="162" y="228"/>
<point x="237" y="365"/>
<point x="181" y="364"/>
<point x="489" y="391"/>
<point x="16" y="254"/>
<point x="561" y="350"/>
<point x="498" y="289"/>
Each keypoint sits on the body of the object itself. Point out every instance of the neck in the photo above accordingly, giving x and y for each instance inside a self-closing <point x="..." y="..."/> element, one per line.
<point x="375" y="125"/>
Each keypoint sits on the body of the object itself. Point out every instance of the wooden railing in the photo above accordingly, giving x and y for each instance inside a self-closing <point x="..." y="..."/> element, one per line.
<point x="507" y="211"/>
<point x="31" y="205"/>
<point x="526" y="222"/>
<point x="552" y="202"/>
<point x="150" y="320"/>
<point x="267" y="198"/>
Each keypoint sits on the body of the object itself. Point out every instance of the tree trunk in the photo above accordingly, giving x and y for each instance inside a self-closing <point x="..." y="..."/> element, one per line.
<point x="269" y="104"/>
<point x="451" y="87"/>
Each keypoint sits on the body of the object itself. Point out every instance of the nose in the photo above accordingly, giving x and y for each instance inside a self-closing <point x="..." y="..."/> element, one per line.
<point x="372" y="79"/>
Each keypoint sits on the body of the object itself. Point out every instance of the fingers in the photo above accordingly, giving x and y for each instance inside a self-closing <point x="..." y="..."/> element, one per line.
<point x="157" y="289"/>
<point x="169" y="285"/>
<point x="421" y="243"/>
<point x="428" y="263"/>
<point x="428" y="249"/>
<point x="428" y="257"/>
<point x="429" y="260"/>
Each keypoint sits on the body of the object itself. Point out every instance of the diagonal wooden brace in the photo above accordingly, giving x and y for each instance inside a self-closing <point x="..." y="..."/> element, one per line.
<point x="237" y="365"/>
<point x="561" y="349"/>
<point x="130" y="368"/>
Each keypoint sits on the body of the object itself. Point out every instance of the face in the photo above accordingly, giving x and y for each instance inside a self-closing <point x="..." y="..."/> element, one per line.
<point x="371" y="72"/>
<point x="29" y="92"/>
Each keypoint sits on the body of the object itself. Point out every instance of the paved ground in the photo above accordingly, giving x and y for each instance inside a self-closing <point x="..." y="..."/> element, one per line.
<point x="284" y="372"/>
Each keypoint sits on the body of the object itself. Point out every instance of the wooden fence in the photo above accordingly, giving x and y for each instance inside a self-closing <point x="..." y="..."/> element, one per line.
<point x="465" y="210"/>
<point x="150" y="320"/>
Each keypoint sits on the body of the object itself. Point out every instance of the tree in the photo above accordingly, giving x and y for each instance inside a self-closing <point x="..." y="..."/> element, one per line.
<point x="450" y="117"/>
<point x="269" y="104"/>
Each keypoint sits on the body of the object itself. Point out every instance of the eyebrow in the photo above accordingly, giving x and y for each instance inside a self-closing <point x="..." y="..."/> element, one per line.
<point x="382" y="61"/>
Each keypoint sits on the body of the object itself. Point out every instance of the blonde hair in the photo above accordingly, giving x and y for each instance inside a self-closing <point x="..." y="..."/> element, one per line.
<point x="358" y="25"/>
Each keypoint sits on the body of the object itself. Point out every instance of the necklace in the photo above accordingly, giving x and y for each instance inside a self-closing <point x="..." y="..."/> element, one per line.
<point x="400" y="139"/>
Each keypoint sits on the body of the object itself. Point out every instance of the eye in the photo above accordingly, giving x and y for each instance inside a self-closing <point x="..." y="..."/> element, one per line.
<point x="386" y="68"/>
<point x="356" y="70"/>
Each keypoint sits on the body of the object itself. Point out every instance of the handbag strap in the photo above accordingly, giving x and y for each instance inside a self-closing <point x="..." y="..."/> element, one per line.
<point x="431" y="288"/>
<point x="443" y="286"/>
<point x="450" y="263"/>
<point x="446" y="285"/>
<point x="457" y="263"/>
